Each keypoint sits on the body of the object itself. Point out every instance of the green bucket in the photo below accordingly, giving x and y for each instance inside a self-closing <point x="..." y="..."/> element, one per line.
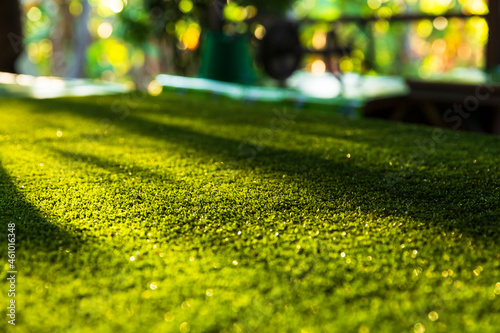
<point x="227" y="58"/>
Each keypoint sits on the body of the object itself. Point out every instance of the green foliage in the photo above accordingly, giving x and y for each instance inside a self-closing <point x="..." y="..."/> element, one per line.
<point x="135" y="25"/>
<point x="140" y="214"/>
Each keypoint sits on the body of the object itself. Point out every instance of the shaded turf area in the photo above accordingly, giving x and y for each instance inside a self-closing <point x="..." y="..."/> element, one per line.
<point x="186" y="213"/>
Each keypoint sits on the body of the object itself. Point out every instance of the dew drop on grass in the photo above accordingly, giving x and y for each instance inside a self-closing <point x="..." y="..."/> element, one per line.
<point x="497" y="289"/>
<point x="433" y="316"/>
<point x="419" y="328"/>
<point x="132" y="258"/>
<point x="185" y="327"/>
<point x="153" y="286"/>
<point x="169" y="317"/>
<point x="363" y="329"/>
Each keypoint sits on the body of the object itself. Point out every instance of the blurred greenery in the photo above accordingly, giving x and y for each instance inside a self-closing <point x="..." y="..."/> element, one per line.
<point x="156" y="36"/>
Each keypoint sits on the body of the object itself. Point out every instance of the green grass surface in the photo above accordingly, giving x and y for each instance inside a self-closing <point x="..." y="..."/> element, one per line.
<point x="185" y="213"/>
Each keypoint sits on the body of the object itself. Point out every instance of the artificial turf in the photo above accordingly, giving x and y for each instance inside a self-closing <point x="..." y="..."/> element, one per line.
<point x="186" y="213"/>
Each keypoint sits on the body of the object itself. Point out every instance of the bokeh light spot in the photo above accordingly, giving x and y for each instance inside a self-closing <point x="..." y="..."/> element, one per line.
<point x="318" y="66"/>
<point x="440" y="23"/>
<point x="260" y="31"/>
<point x="105" y="30"/>
<point x="34" y="14"/>
<point x="154" y="88"/>
<point x="191" y="38"/>
<point x="424" y="28"/>
<point x="115" y="5"/>
<point x="75" y="8"/>
<point x="185" y="6"/>
<point x="319" y="40"/>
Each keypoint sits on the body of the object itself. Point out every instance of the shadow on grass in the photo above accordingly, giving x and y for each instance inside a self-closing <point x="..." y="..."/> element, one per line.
<point x="450" y="200"/>
<point x="55" y="249"/>
<point x="50" y="261"/>
<point x="111" y="166"/>
<point x="34" y="234"/>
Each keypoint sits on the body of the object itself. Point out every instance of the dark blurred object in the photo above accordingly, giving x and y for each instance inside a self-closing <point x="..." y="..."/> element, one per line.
<point x="467" y="106"/>
<point x="280" y="52"/>
<point x="215" y="17"/>
<point x="226" y="58"/>
<point x="10" y="35"/>
<point x="493" y="46"/>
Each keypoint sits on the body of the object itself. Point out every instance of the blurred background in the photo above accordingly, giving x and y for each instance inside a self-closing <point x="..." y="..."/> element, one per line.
<point x="130" y="41"/>
<point x="398" y="59"/>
